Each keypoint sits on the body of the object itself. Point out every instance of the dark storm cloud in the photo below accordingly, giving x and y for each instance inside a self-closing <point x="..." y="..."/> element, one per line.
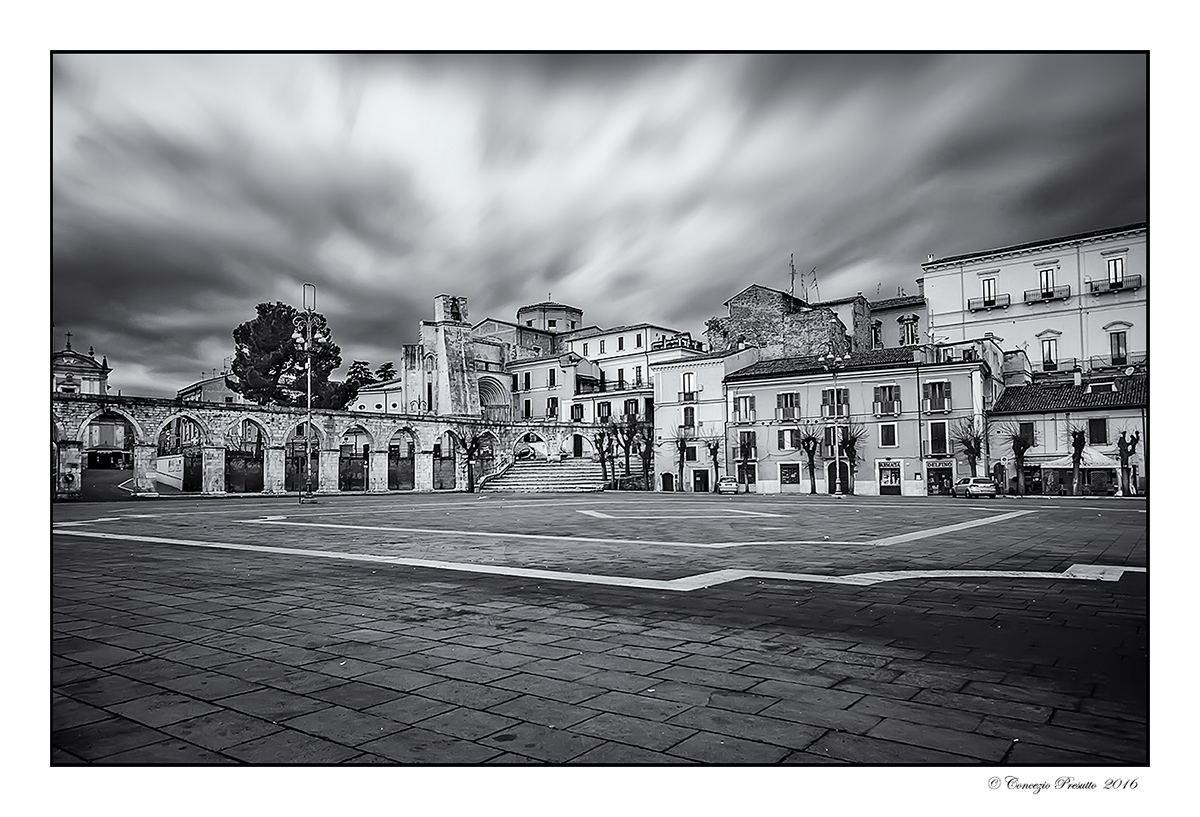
<point x="187" y="188"/>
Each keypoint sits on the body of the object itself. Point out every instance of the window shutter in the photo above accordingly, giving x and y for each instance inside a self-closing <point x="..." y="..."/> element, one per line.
<point x="752" y="402"/>
<point x="779" y="401"/>
<point x="878" y="394"/>
<point x="925" y="390"/>
<point x="781" y="445"/>
<point x="826" y="397"/>
<point x="947" y="385"/>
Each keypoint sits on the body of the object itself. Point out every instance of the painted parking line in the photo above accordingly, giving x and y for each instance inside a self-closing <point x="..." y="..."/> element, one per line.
<point x="928" y="532"/>
<point x="683" y="584"/>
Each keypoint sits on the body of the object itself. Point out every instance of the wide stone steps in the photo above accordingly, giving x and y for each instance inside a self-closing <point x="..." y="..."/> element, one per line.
<point x="568" y="476"/>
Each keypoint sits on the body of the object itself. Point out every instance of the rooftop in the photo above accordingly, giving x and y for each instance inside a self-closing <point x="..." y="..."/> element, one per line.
<point x="903" y="300"/>
<point x="1012" y="248"/>
<point x="812" y="363"/>
<point x="1129" y="392"/>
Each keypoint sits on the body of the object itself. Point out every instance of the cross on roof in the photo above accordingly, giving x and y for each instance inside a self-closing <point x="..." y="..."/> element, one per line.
<point x="68" y="340"/>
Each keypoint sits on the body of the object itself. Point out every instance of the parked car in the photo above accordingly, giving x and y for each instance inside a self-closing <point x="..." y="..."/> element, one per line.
<point x="974" y="486"/>
<point x="727" y="485"/>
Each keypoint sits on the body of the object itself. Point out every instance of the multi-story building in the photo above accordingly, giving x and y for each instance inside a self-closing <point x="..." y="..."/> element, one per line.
<point x="1078" y="301"/>
<point x="74" y="373"/>
<point x="689" y="416"/>
<point x="1105" y="406"/>
<point x="904" y="407"/>
<point x="210" y="390"/>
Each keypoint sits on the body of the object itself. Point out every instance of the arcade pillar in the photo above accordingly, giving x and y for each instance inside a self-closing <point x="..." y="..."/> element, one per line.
<point x="212" y="473"/>
<point x="144" y="458"/>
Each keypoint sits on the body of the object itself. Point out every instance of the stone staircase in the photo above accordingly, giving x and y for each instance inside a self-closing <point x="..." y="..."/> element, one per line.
<point x="539" y="476"/>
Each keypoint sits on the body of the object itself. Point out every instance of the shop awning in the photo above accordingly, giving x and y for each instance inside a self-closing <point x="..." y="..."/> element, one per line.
<point x="1091" y="459"/>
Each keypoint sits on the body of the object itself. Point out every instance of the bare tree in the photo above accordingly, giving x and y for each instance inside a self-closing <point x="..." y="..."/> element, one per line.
<point x="1078" y="442"/>
<point x="680" y="443"/>
<point x="644" y="443"/>
<point x="474" y="439"/>
<point x="714" y="444"/>
<point x="852" y="437"/>
<point x="624" y="432"/>
<point x="1126" y="448"/>
<point x="969" y="433"/>
<point x="1020" y="442"/>
<point x="601" y="439"/>
<point x="810" y="444"/>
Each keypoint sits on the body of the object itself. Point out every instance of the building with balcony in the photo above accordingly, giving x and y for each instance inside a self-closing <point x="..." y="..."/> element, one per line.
<point x="902" y="405"/>
<point x="1079" y="301"/>
<point x="690" y="417"/>
<point x="1104" y="405"/>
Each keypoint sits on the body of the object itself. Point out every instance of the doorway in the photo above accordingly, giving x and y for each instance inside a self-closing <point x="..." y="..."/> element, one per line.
<point x="838" y="478"/>
<point x="577" y="445"/>
<point x="668" y="482"/>
<point x="889" y="479"/>
<point x="700" y="482"/>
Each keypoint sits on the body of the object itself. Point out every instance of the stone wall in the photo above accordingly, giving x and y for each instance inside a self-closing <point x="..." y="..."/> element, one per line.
<point x="779" y="325"/>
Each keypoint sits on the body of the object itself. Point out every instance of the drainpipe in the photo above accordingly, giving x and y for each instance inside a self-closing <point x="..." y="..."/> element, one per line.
<point x="920" y="434"/>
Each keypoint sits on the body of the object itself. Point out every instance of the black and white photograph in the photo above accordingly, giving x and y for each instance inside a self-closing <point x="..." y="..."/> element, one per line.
<point x="610" y="409"/>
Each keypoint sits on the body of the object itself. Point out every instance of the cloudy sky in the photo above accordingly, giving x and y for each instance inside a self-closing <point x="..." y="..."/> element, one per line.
<point x="186" y="189"/>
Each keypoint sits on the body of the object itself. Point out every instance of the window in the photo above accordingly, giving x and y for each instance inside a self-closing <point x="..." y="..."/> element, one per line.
<point x="230" y="400"/>
<point x="1120" y="351"/>
<point x="577" y="412"/>
<point x="637" y="375"/>
<point x="829" y="441"/>
<point x="937" y="395"/>
<point x="1050" y="354"/>
<point x="1046" y="276"/>
<point x="637" y="340"/>
<point x="526" y="381"/>
<point x="788" y="439"/>
<point x="378" y="406"/>
<point x="689" y="416"/>
<point x="553" y="377"/>
<point x="528" y="409"/>
<point x="989" y="291"/>
<point x="747" y="445"/>
<point x="585" y="351"/>
<point x="631" y="406"/>
<point x="603" y="411"/>
<point x="551" y="406"/>
<point x="908" y="331"/>
<point x="1116" y="272"/>
<point x="1025" y="430"/>
<point x="552" y="324"/>
<point x="1098" y="431"/>
<point x="789" y="473"/>
<point x="835" y="402"/>
<point x="620" y="378"/>
<point x="887" y="435"/>
<point x="601" y="347"/>
<point x="787" y="406"/>
<point x="887" y="399"/>
<point x="689" y="387"/>
<point x="743" y="408"/>
<point x="938" y="437"/>
<point x="877" y="335"/>
<point x="620" y="343"/>
<point x="529" y="323"/>
<point x="690" y="453"/>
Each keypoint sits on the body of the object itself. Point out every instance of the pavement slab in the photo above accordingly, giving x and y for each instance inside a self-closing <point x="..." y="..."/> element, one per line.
<point x="202" y="632"/>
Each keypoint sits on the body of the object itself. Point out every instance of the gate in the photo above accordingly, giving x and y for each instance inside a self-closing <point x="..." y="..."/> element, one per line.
<point x="352" y="469"/>
<point x="293" y="472"/>
<point x="193" y="469"/>
<point x="401" y="470"/>
<point x="443" y="473"/>
<point x="243" y="472"/>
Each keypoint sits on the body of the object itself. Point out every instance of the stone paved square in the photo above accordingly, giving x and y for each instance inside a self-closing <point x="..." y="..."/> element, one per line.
<point x="462" y="629"/>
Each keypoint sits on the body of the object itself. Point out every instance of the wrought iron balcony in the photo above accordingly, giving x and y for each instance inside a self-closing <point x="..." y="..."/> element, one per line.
<point x="686" y="430"/>
<point x="1062" y="293"/>
<point x="835" y="409"/>
<point x="887" y="407"/>
<point x="999" y="301"/>
<point x="745" y="452"/>
<point x="1128" y="282"/>
<point x="787" y="413"/>
<point x="744" y="416"/>
<point x="687" y="397"/>
<point x="937" y="404"/>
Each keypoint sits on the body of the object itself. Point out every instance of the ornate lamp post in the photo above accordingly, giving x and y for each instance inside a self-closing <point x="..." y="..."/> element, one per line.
<point x="832" y="363"/>
<point x="305" y="338"/>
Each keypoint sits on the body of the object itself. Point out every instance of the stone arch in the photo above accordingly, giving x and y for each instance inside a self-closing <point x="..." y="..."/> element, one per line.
<point x="138" y="431"/>
<point x="267" y="437"/>
<point x="293" y="429"/>
<point x="577" y="443"/>
<point x="206" y="433"/>
<point x="531" y="443"/>
<point x="356" y="427"/>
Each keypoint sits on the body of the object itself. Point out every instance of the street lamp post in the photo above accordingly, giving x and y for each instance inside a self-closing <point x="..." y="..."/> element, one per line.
<point x="304" y="338"/>
<point x="831" y="364"/>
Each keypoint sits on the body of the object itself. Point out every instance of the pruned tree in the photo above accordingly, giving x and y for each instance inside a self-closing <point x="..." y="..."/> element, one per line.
<point x="851" y="439"/>
<point x="624" y="432"/>
<point x="1126" y="448"/>
<point x="473" y="440"/>
<point x="1020" y="441"/>
<point x="645" y="446"/>
<point x="602" y="441"/>
<point x="810" y="444"/>
<point x="680" y="442"/>
<point x="269" y="366"/>
<point x="713" y="444"/>
<point x="969" y="434"/>
<point x="1078" y="439"/>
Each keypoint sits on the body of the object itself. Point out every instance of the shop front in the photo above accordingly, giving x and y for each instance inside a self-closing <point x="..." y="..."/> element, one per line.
<point x="939" y="476"/>
<point x="889" y="477"/>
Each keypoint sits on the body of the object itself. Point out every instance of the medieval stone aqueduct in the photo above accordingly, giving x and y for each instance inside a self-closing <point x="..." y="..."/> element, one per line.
<point x="217" y="424"/>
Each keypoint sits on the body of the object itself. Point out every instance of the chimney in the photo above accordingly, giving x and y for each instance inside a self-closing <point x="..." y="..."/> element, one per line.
<point x="930" y="258"/>
<point x="921" y="285"/>
<point x="1077" y="376"/>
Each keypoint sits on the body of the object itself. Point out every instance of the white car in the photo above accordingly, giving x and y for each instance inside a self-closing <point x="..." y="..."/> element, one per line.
<point x="727" y="485"/>
<point x="974" y="486"/>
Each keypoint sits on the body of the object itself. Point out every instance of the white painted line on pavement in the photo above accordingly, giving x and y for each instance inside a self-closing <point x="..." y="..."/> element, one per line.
<point x="683" y="584"/>
<point x="928" y="532"/>
<point x="686" y="517"/>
